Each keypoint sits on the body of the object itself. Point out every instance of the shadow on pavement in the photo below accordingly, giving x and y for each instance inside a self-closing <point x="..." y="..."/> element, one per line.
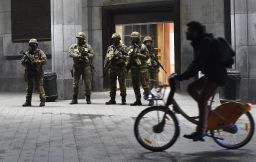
<point x="206" y="156"/>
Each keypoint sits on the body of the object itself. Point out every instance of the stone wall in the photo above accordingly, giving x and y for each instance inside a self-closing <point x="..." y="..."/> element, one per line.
<point x="243" y="13"/>
<point x="11" y="71"/>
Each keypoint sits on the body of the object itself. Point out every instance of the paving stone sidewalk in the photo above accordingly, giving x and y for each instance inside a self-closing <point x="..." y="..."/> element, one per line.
<point x="95" y="133"/>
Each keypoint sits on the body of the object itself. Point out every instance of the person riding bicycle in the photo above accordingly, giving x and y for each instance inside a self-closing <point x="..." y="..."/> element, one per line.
<point x="206" y="60"/>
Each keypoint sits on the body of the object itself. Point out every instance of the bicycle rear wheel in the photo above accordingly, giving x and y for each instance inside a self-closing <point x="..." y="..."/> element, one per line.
<point x="156" y="128"/>
<point x="236" y="136"/>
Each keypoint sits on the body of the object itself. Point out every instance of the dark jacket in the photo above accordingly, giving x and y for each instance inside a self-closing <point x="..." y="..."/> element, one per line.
<point x="207" y="60"/>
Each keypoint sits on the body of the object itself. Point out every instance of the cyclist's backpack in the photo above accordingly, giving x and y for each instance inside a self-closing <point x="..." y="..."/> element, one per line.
<point x="225" y="51"/>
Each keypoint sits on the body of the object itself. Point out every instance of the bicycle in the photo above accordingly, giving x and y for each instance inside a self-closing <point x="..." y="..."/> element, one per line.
<point x="231" y="125"/>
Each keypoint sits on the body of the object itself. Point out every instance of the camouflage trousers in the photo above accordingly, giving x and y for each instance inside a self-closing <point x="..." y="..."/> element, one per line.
<point x="140" y="77"/>
<point x="85" y="72"/>
<point x="120" y="75"/>
<point x="38" y="81"/>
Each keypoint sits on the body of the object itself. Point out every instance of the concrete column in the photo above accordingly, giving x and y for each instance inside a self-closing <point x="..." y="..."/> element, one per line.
<point x="66" y="22"/>
<point x="92" y="25"/>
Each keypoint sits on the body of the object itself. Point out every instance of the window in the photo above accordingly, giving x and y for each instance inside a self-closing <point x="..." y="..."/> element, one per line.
<point x="143" y="29"/>
<point x="31" y="19"/>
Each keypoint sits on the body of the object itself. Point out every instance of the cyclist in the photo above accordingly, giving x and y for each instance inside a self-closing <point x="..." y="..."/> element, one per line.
<point x="206" y="60"/>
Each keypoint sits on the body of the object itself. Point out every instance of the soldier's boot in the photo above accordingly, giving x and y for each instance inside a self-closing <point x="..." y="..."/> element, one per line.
<point x="27" y="104"/>
<point x="137" y="102"/>
<point x="42" y="102"/>
<point x="112" y="101"/>
<point x="150" y="103"/>
<point x="74" y="100"/>
<point x="123" y="100"/>
<point x="88" y="99"/>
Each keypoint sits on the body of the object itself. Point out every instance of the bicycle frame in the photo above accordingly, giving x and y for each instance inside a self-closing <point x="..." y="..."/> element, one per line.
<point x="217" y="118"/>
<point x="176" y="108"/>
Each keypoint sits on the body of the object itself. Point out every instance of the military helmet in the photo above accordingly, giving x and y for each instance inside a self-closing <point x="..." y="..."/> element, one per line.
<point x="115" y="36"/>
<point x="33" y="40"/>
<point x="147" y="38"/>
<point x="135" y="34"/>
<point x="80" y="35"/>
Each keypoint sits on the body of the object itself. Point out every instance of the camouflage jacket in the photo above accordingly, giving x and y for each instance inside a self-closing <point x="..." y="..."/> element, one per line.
<point x="38" y="59"/>
<point x="116" y="56"/>
<point x="82" y="55"/>
<point x="138" y="56"/>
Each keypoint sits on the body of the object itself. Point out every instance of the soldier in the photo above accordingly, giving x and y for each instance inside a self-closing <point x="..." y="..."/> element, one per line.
<point x="115" y="62"/>
<point x="82" y="54"/>
<point x="154" y="68"/>
<point x="33" y="61"/>
<point x="139" y="63"/>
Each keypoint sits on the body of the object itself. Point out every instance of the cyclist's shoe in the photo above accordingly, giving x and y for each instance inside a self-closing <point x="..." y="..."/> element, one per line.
<point x="232" y="129"/>
<point x="149" y="96"/>
<point x="196" y="136"/>
<point x="136" y="103"/>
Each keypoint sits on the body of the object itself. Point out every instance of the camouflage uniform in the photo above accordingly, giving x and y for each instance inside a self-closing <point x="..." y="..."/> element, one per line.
<point x="154" y="68"/>
<point x="116" y="58"/>
<point x="82" y="57"/>
<point x="139" y="63"/>
<point x="34" y="73"/>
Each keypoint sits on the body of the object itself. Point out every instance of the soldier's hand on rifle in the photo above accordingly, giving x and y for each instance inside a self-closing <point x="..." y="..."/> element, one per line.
<point x="34" y="63"/>
<point x="84" y="51"/>
<point x="116" y="57"/>
<point x="25" y="61"/>
<point x="140" y="55"/>
<point x="80" y="57"/>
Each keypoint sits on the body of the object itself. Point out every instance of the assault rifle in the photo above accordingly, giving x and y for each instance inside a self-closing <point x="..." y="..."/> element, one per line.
<point x="27" y="57"/>
<point x="83" y="54"/>
<point x="158" y="63"/>
<point x="109" y="63"/>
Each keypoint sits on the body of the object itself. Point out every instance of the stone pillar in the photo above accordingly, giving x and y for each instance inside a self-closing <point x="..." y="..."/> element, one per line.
<point x="244" y="41"/>
<point x="92" y="25"/>
<point x="66" y="17"/>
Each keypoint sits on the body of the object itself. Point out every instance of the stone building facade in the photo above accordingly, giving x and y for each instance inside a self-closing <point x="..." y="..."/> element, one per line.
<point x="91" y="16"/>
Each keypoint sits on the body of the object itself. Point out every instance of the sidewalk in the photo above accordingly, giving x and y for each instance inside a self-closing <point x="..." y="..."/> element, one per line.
<point x="98" y="132"/>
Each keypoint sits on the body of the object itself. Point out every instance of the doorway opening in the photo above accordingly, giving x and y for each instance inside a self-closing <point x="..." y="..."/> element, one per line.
<point x="160" y="20"/>
<point x="162" y="34"/>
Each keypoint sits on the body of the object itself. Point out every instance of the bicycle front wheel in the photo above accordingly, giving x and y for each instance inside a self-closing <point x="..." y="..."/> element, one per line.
<point x="156" y="128"/>
<point x="236" y="136"/>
